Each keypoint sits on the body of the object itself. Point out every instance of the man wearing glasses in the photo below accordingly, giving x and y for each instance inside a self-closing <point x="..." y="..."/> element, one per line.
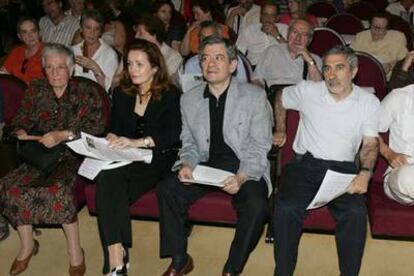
<point x="388" y="46"/>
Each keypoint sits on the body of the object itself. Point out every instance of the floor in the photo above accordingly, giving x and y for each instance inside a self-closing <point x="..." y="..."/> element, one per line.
<point x="209" y="246"/>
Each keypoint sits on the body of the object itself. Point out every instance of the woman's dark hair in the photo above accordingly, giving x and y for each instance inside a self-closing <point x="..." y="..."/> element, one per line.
<point x="153" y="25"/>
<point x="161" y="81"/>
<point x="212" y="6"/>
<point x="158" y="4"/>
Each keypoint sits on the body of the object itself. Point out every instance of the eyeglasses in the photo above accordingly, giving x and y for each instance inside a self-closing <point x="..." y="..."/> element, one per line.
<point x="378" y="29"/>
<point x="25" y="64"/>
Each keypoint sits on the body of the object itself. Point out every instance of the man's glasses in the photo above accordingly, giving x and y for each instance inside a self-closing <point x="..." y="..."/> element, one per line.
<point x="25" y="64"/>
<point x="378" y="29"/>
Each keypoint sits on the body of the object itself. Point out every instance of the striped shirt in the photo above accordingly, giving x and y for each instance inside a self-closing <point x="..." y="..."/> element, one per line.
<point x="61" y="33"/>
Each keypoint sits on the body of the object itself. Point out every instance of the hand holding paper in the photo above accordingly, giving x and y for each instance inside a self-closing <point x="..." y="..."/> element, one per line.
<point x="209" y="176"/>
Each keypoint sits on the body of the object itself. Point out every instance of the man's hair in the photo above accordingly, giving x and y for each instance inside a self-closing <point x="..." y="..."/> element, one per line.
<point x="153" y="25"/>
<point x="210" y="40"/>
<point x="57" y="49"/>
<point x="211" y="24"/>
<point x="94" y="15"/>
<point x="351" y="57"/>
<point x="24" y="19"/>
<point x="296" y="20"/>
<point x="383" y="15"/>
<point x="271" y="3"/>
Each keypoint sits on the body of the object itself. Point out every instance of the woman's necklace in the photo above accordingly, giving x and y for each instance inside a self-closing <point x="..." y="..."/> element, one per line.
<point x="144" y="95"/>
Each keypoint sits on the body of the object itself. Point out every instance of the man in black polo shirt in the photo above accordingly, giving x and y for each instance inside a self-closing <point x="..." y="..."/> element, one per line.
<point x="226" y="125"/>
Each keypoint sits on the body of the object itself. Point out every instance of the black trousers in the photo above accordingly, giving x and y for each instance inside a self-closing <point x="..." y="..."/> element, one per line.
<point x="300" y="182"/>
<point x="116" y="190"/>
<point x="250" y="204"/>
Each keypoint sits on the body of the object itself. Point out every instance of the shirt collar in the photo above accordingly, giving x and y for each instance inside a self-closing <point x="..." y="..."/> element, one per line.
<point x="353" y="96"/>
<point x="207" y="90"/>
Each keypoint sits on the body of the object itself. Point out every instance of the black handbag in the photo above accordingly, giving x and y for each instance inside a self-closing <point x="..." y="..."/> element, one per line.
<point x="42" y="158"/>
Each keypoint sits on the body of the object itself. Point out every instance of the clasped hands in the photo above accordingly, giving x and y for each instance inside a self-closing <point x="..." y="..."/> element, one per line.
<point x="232" y="184"/>
<point x="49" y="139"/>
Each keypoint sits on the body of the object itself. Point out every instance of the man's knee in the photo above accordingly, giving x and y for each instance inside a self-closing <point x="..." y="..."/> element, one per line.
<point x="167" y="185"/>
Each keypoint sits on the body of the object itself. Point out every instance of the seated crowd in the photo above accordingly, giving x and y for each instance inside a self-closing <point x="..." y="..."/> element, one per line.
<point x="224" y="121"/>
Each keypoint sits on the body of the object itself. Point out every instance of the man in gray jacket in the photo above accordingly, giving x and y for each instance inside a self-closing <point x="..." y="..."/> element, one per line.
<point x="226" y="125"/>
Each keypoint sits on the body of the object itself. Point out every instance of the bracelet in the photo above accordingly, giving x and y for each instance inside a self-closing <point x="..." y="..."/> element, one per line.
<point x="278" y="37"/>
<point x="312" y="62"/>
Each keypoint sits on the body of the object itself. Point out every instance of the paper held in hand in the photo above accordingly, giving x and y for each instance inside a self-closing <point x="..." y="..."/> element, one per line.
<point x="333" y="185"/>
<point x="99" y="156"/>
<point x="209" y="176"/>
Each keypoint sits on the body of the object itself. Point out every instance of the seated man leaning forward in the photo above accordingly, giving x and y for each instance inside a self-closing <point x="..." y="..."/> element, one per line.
<point x="335" y="117"/>
<point x="226" y="125"/>
<point x="397" y="115"/>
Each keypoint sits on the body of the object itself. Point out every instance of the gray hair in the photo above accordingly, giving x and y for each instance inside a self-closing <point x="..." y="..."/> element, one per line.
<point x="213" y="39"/>
<point x="94" y="15"/>
<point x="351" y="57"/>
<point x="311" y="27"/>
<point x="58" y="49"/>
<point x="211" y="24"/>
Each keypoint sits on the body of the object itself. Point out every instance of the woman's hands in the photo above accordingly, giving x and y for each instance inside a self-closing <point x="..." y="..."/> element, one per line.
<point x="120" y="142"/>
<point x="49" y="139"/>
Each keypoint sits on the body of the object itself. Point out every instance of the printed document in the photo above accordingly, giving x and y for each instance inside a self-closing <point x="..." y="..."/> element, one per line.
<point x="102" y="157"/>
<point x="209" y="176"/>
<point x="333" y="185"/>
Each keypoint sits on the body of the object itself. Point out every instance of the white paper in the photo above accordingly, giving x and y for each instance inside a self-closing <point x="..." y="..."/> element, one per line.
<point x="333" y="185"/>
<point x="209" y="176"/>
<point x="101" y="157"/>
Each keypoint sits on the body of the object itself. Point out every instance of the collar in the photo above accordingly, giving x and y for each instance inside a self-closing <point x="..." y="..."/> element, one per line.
<point x="353" y="96"/>
<point x="206" y="92"/>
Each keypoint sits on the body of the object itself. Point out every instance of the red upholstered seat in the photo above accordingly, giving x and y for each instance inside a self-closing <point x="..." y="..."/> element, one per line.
<point x="322" y="9"/>
<point x="323" y="40"/>
<point x="363" y="10"/>
<point x="318" y="219"/>
<point x="345" y="23"/>
<point x="387" y="218"/>
<point x="13" y="90"/>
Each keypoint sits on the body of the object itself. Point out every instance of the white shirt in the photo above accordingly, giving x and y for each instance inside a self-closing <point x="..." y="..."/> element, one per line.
<point x="397" y="115"/>
<point x="172" y="58"/>
<point x="277" y="67"/>
<point x="61" y="33"/>
<point x="253" y="41"/>
<point x="240" y="22"/>
<point x="105" y="57"/>
<point x="328" y="129"/>
<point x="398" y="10"/>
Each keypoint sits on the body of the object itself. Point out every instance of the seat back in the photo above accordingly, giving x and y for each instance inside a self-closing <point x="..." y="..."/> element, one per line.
<point x="345" y="23"/>
<point x="371" y="74"/>
<point x="382" y="164"/>
<point x="322" y="9"/>
<point x="13" y="90"/>
<point x="247" y="66"/>
<point x="381" y="5"/>
<point x="399" y="24"/>
<point x="363" y="10"/>
<point x="323" y="40"/>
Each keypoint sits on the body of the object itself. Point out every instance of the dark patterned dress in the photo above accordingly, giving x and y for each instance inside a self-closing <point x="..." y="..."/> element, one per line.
<point x="79" y="109"/>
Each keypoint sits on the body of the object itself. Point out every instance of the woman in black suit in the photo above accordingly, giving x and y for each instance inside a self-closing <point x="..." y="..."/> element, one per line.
<point x="145" y="114"/>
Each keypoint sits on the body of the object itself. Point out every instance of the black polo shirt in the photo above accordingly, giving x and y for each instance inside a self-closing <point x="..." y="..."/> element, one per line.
<point x="219" y="151"/>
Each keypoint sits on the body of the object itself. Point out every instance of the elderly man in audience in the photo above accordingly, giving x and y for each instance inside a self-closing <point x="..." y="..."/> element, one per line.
<point x="388" y="46"/>
<point x="397" y="116"/>
<point x="402" y="8"/>
<point x="76" y="8"/>
<point x="254" y="39"/>
<point x="244" y="14"/>
<point x="151" y="28"/>
<point x="335" y="118"/>
<point x="55" y="26"/>
<point x="403" y="72"/>
<point x="193" y="66"/>
<point x="54" y="110"/>
<point x="290" y="62"/>
<point x="226" y="125"/>
<point x="24" y="61"/>
<point x="95" y="59"/>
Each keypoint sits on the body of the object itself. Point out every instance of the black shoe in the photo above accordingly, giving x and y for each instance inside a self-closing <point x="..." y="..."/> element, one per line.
<point x="4" y="228"/>
<point x="119" y="271"/>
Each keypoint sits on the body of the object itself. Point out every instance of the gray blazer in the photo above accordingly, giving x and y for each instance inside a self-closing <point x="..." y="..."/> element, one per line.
<point x="247" y="128"/>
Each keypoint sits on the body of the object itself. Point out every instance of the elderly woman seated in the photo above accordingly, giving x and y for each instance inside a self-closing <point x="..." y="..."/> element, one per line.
<point x="54" y="110"/>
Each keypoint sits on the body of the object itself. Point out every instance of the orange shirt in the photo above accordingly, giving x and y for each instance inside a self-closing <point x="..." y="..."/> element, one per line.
<point x="194" y="37"/>
<point x="28" y="70"/>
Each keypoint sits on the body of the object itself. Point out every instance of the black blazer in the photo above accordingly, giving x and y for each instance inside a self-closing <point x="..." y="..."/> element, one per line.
<point x="162" y="119"/>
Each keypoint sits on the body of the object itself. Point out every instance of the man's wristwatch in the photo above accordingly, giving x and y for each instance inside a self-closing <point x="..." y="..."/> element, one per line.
<point x="71" y="136"/>
<point x="312" y="62"/>
<point x="278" y="37"/>
<point x="147" y="142"/>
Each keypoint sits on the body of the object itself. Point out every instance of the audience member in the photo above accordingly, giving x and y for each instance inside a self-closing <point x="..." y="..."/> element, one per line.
<point x="151" y="28"/>
<point x="145" y="114"/>
<point x="203" y="10"/>
<point x="95" y="59"/>
<point x="335" y="117"/>
<point x="397" y="116"/>
<point x="254" y="39"/>
<point x="297" y="9"/>
<point x="175" y="31"/>
<point x="402" y="8"/>
<point x="226" y="125"/>
<point x="246" y="13"/>
<point x="76" y="8"/>
<point x="388" y="46"/>
<point x="193" y="66"/>
<point x="24" y="61"/>
<point x="403" y="72"/>
<point x="55" y="26"/>
<point x="56" y="109"/>
<point x="290" y="62"/>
